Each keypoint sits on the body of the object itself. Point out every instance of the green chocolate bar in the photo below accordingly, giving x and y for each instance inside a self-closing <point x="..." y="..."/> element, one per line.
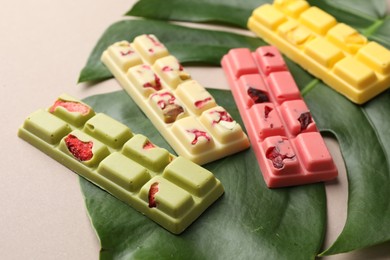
<point x="172" y="191"/>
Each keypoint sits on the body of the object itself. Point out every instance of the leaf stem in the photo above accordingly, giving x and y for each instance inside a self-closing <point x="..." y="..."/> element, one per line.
<point x="370" y="30"/>
<point x="309" y="86"/>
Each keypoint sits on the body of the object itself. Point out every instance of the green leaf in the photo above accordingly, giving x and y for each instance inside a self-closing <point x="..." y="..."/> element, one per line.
<point x="249" y="221"/>
<point x="191" y="48"/>
<point x="358" y="13"/>
<point x="234" y="11"/>
<point x="362" y="131"/>
<point x="363" y="135"/>
<point x="381" y="33"/>
<point x="356" y="9"/>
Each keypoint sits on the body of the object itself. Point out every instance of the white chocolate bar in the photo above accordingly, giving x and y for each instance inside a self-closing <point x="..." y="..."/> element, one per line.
<point x="182" y="110"/>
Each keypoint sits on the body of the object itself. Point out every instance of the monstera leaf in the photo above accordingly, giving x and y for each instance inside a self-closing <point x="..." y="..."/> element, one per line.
<point x="251" y="221"/>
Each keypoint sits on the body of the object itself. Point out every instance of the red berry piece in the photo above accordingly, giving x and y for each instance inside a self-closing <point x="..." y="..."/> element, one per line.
<point x="223" y="116"/>
<point x="156" y="85"/>
<point x="82" y="151"/>
<point x="201" y="103"/>
<point x="257" y="95"/>
<point x="267" y="110"/>
<point x="269" y="54"/>
<point x="125" y="53"/>
<point x="152" y="193"/>
<point x="276" y="157"/>
<point x="166" y="69"/>
<point x="70" y="106"/>
<point x="162" y="103"/>
<point x="305" y="119"/>
<point x="148" y="145"/>
<point x="198" y="134"/>
<point x="155" y="43"/>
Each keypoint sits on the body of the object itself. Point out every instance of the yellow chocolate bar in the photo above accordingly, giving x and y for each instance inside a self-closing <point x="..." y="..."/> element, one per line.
<point x="182" y="110"/>
<point x="172" y="191"/>
<point x="334" y="52"/>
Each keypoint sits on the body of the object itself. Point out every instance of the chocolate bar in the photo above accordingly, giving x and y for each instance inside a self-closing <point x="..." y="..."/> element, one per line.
<point x="289" y="149"/>
<point x="332" y="51"/>
<point x="172" y="191"/>
<point x="182" y="110"/>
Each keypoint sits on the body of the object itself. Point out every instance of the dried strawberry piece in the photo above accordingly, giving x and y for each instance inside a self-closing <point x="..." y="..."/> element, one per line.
<point x="82" y="151"/>
<point x="163" y="103"/>
<point x="276" y="157"/>
<point x="267" y="110"/>
<point x="198" y="133"/>
<point x="257" y="95"/>
<point x="305" y="119"/>
<point x="167" y="68"/>
<point x="152" y="194"/>
<point x="269" y="54"/>
<point x="201" y="103"/>
<point x="123" y="53"/>
<point x="155" y="85"/>
<point x="148" y="145"/>
<point x="154" y="41"/>
<point x="223" y="116"/>
<point x="71" y="106"/>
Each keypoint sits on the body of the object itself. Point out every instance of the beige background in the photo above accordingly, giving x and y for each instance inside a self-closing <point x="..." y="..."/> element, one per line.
<point x="43" y="46"/>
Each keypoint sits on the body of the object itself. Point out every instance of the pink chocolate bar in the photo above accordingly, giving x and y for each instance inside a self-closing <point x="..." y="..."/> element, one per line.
<point x="289" y="149"/>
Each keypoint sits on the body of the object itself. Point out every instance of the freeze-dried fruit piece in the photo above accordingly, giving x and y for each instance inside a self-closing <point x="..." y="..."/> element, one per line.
<point x="79" y="149"/>
<point x="201" y="103"/>
<point x="198" y="134"/>
<point x="305" y="120"/>
<point x="257" y="95"/>
<point x="144" y="79"/>
<point x="267" y="110"/>
<point x="152" y="193"/>
<point x="155" y="42"/>
<point x="70" y="106"/>
<point x="156" y="84"/>
<point x="222" y="116"/>
<point x="148" y="145"/>
<point x="71" y="110"/>
<point x="276" y="157"/>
